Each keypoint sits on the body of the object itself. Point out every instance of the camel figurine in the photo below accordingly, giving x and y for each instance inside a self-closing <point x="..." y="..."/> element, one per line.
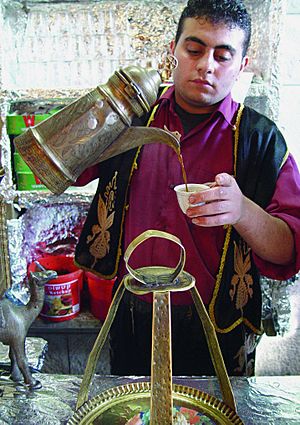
<point x="15" y="321"/>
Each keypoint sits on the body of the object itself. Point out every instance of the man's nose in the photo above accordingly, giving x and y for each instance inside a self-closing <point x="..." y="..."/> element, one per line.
<point x="206" y="63"/>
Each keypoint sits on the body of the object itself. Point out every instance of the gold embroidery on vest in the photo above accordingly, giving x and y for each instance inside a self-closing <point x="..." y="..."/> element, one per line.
<point x="226" y="247"/>
<point x="242" y="281"/>
<point x="100" y="237"/>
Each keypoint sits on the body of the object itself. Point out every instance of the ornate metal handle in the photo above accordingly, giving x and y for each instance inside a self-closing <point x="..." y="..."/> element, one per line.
<point x="149" y="276"/>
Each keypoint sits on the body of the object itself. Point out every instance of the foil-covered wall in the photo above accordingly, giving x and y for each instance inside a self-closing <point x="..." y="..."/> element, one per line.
<point x="80" y="44"/>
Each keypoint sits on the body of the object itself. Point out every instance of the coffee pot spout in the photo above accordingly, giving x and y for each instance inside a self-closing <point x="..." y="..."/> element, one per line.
<point x="134" y="137"/>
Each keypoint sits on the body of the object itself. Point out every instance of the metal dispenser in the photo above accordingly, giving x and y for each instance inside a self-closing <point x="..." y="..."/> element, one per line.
<point x="93" y="128"/>
<point x="113" y="405"/>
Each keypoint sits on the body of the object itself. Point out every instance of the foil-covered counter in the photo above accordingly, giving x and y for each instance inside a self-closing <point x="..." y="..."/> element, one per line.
<point x="260" y="400"/>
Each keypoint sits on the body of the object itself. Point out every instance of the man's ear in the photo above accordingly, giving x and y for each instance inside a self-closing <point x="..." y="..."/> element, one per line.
<point x="244" y="63"/>
<point x="172" y="46"/>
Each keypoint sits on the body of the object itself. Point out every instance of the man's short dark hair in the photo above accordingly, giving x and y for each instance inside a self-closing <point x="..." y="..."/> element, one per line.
<point x="231" y="13"/>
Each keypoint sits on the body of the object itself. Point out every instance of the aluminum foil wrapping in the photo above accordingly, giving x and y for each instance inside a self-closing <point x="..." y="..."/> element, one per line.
<point x="260" y="401"/>
<point x="35" y="349"/>
<point x="10" y="12"/>
<point x="53" y="44"/>
<point x="7" y="187"/>
<point x="45" y="228"/>
<point x="79" y="44"/>
<point x="276" y="305"/>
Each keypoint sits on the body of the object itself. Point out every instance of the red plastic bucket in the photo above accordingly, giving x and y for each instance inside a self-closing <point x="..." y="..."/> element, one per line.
<point x="62" y="294"/>
<point x="100" y="295"/>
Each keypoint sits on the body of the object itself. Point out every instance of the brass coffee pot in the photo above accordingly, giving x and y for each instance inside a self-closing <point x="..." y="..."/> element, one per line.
<point x="93" y="128"/>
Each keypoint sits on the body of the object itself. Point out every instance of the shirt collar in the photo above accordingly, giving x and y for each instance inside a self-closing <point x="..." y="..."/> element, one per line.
<point x="227" y="107"/>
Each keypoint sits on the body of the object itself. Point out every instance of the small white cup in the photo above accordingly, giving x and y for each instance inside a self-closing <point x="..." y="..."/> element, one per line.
<point x="183" y="195"/>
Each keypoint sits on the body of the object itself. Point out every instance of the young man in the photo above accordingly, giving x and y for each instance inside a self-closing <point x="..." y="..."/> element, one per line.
<point x="249" y="224"/>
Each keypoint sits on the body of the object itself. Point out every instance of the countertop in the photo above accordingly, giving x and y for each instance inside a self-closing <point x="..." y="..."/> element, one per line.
<point x="260" y="400"/>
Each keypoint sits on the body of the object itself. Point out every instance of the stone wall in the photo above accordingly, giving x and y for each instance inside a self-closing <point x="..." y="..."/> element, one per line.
<point x="290" y="80"/>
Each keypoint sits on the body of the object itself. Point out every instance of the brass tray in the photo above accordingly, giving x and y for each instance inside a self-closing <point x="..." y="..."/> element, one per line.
<point x="118" y="404"/>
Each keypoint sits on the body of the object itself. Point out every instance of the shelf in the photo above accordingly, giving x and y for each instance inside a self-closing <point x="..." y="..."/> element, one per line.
<point x="30" y="198"/>
<point x="85" y="322"/>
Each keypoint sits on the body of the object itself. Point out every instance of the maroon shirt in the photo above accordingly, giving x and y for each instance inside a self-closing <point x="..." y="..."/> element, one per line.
<point x="207" y="150"/>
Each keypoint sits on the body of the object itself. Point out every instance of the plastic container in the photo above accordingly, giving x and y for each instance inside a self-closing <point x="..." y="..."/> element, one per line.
<point x="26" y="180"/>
<point x="19" y="163"/>
<point x="25" y="114"/>
<point x="62" y="294"/>
<point x="100" y="294"/>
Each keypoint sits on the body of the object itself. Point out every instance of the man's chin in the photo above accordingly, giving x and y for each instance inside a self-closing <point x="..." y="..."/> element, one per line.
<point x="196" y="102"/>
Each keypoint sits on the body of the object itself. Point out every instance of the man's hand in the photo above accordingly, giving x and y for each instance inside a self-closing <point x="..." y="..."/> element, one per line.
<point x="224" y="203"/>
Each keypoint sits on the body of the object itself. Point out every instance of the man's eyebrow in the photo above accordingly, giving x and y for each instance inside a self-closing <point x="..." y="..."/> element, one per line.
<point x="195" y="40"/>
<point x="228" y="47"/>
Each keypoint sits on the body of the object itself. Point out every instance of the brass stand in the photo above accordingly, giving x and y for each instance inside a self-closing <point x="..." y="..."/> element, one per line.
<point x="161" y="281"/>
<point x="161" y="365"/>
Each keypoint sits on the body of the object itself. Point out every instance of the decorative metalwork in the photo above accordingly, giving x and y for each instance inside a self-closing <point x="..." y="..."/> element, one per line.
<point x="118" y="404"/>
<point x="160" y="394"/>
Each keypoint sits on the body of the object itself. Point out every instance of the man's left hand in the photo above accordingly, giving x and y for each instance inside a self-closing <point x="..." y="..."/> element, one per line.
<point x="224" y="203"/>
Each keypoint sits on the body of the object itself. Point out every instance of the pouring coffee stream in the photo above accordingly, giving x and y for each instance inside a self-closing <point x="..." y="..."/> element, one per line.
<point x="93" y="128"/>
<point x="180" y="159"/>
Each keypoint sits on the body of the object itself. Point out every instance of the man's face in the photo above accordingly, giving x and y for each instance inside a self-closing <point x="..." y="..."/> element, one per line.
<point x="209" y="62"/>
